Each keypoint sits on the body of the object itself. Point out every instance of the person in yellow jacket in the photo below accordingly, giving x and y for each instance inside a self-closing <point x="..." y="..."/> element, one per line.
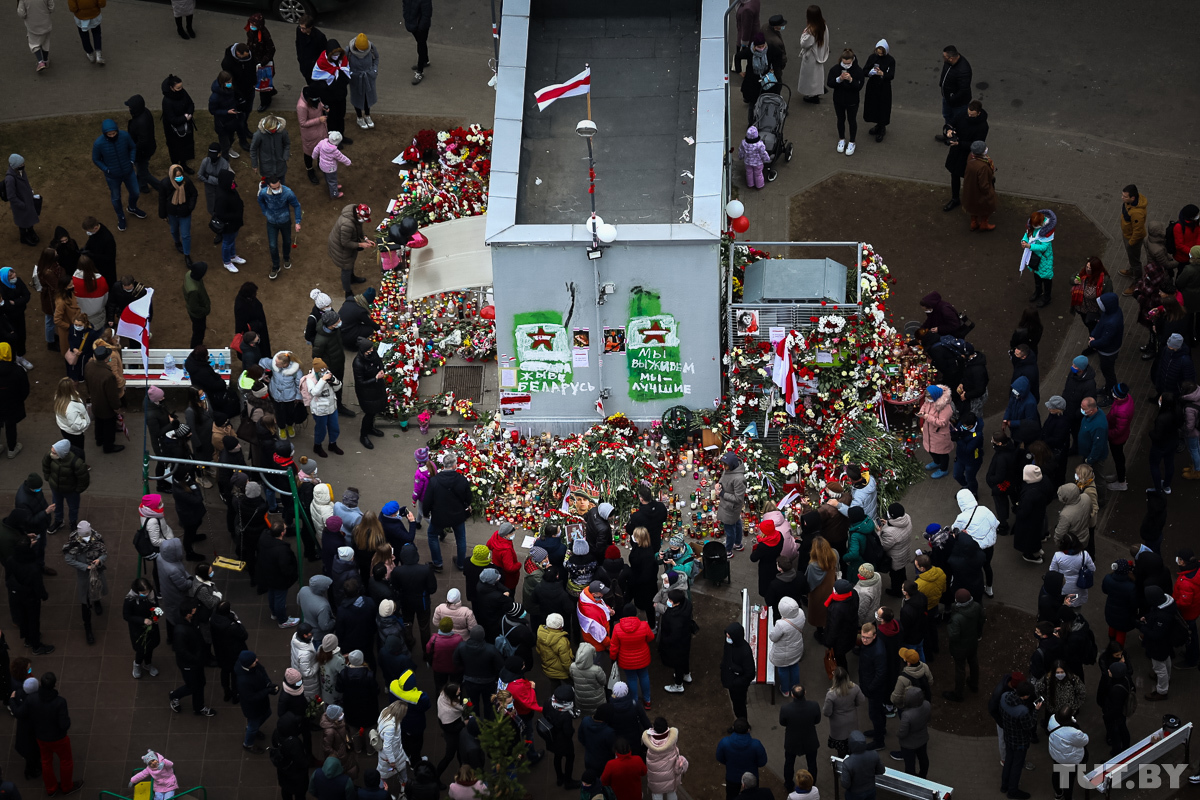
<point x="1133" y="228"/>
<point x="931" y="582"/>
<point x="554" y="650"/>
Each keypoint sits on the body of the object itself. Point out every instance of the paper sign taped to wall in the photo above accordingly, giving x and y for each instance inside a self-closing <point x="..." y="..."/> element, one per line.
<point x="508" y="379"/>
<point x="518" y="401"/>
<point x="777" y="334"/>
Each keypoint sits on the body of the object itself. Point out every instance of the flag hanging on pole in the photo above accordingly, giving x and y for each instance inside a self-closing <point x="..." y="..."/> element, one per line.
<point x="135" y="324"/>
<point x="580" y="84"/>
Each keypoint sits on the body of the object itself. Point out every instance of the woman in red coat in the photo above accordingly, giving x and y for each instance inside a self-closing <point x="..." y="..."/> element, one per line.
<point x="624" y="773"/>
<point x="630" y="648"/>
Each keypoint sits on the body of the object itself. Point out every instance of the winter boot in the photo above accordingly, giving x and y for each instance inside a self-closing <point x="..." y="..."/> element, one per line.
<point x="312" y="176"/>
<point x="179" y="28"/>
<point x="190" y="32"/>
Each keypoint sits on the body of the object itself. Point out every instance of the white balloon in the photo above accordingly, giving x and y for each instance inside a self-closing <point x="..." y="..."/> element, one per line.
<point x="606" y="233"/>
<point x="596" y="221"/>
<point x="734" y="209"/>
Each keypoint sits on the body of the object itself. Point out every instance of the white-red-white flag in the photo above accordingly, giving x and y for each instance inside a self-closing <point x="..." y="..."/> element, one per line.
<point x="580" y="84"/>
<point x="135" y="324"/>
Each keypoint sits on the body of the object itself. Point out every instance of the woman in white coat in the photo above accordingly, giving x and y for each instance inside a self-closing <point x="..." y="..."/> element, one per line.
<point x="814" y="52"/>
<point x="788" y="638"/>
<point x="70" y="413"/>
<point x="393" y="762"/>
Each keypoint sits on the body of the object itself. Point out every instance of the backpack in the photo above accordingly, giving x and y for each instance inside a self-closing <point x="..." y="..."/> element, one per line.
<point x="923" y="684"/>
<point x="375" y="740"/>
<point x="142" y="544"/>
<point x="305" y="392"/>
<point x="504" y="646"/>
<point x="278" y="759"/>
<point x="548" y="732"/>
<point x="872" y="550"/>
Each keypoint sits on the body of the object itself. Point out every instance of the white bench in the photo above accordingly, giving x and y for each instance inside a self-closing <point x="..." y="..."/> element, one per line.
<point x="1120" y="771"/>
<point x="897" y="782"/>
<point x="135" y="374"/>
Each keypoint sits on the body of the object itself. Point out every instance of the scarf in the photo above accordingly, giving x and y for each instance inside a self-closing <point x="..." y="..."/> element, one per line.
<point x="838" y="597"/>
<point x="179" y="198"/>
<point x="758" y="61"/>
<point x="326" y="70"/>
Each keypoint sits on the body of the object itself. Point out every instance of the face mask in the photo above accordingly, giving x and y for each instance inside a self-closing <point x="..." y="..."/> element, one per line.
<point x="728" y="640"/>
<point x="847" y="66"/>
<point x="229" y="86"/>
<point x="1060" y="676"/>
<point x="253" y="27"/>
<point x="210" y="574"/>
<point x="179" y="179"/>
<point x="929" y="311"/>
<point x="142" y="596"/>
<point x="80" y="327"/>
<point x="1083" y="411"/>
<point x="1015" y="393"/>
<point x="1077" y="477"/>
<point x="203" y="396"/>
<point x="87" y="538"/>
<point x="670" y="604"/>
<point x="276" y="191"/>
<point x="508" y="707"/>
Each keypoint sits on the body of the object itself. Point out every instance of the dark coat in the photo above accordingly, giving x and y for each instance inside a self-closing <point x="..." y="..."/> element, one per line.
<point x="967" y="129"/>
<point x="190" y="648"/>
<point x="249" y="315"/>
<point x="799" y="719"/>
<point x="229" y="639"/>
<point x="767" y="556"/>
<point x="872" y="672"/>
<point x="448" y="498"/>
<point x="220" y="101"/>
<point x="166" y="191"/>
<point x="418" y="16"/>
<point x="675" y="631"/>
<point x="912" y="619"/>
<point x="955" y="82"/>
<point x="845" y="93"/>
<point x="371" y="391"/>
<point x="141" y="127"/>
<point x="277" y="567"/>
<point x="66" y="475"/>
<point x="356" y="322"/>
<point x="48" y="711"/>
<point x="477" y="659"/>
<point x="14" y="389"/>
<point x="229" y="208"/>
<point x="1030" y="521"/>
<point x="597" y="739"/>
<point x="254" y="690"/>
<point x="175" y="105"/>
<point x="651" y="516"/>
<point x="1120" y="604"/>
<point x="841" y="626"/>
<point x="1157" y="630"/>
<point x="877" y="104"/>
<point x="360" y="696"/>
<point x="20" y="198"/>
<point x="308" y="47"/>
<point x="101" y="247"/>
<point x="737" y="660"/>
<point x="134" y="610"/>
<point x="245" y="78"/>
<point x="413" y="582"/>
<point x="965" y="565"/>
<point x="355" y="627"/>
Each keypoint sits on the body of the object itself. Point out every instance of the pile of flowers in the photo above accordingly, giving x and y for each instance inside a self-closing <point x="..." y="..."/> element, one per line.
<point x="445" y="177"/>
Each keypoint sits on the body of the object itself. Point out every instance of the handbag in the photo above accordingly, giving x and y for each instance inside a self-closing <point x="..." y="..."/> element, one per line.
<point x="965" y="325"/>
<point x="830" y="663"/>
<point x="37" y="204"/>
<point x="1076" y="295"/>
<point x="235" y="344"/>
<point x="1086" y="578"/>
<point x="216" y="226"/>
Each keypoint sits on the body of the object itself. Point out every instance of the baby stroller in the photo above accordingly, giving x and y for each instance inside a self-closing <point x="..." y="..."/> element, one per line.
<point x="716" y="562"/>
<point x="769" y="116"/>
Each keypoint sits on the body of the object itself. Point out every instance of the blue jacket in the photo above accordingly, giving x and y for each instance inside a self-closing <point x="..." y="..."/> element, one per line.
<point x="114" y="157"/>
<point x="1093" y="437"/>
<point x="1021" y="404"/>
<point x="740" y="753"/>
<point x="1110" y="330"/>
<point x="275" y="206"/>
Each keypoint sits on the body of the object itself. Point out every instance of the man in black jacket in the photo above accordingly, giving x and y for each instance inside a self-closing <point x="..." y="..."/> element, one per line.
<point x="1049" y="649"/>
<point x="51" y="724"/>
<point x="26" y="592"/>
<point x="737" y="668"/>
<point x="447" y="503"/>
<point x="277" y="572"/>
<point x="1004" y="478"/>
<point x="873" y="680"/>
<point x="480" y="663"/>
<point x="254" y="691"/>
<point x="310" y="43"/>
<point x="141" y="128"/>
<point x="418" y="16"/>
<point x="912" y="618"/>
<point x="355" y="315"/>
<point x="799" y="719"/>
<point x="101" y="248"/>
<point x="676" y="627"/>
<point x="650" y="514"/>
<point x="841" y="629"/>
<point x="971" y="393"/>
<point x="413" y="583"/>
<point x="238" y="62"/>
<point x="1024" y="361"/>
<point x="955" y="83"/>
<point x="190" y="655"/>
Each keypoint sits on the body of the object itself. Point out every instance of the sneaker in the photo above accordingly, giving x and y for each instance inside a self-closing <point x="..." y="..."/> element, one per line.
<point x="91" y="57"/>
<point x="287" y="265"/>
<point x="739" y="547"/>
<point x="137" y="212"/>
<point x="238" y="260"/>
<point x="121" y="226"/>
<point x="137" y="670"/>
<point x="1118" y="486"/>
<point x="153" y="670"/>
<point x="78" y="784"/>
<point x="99" y="59"/>
<point x="646" y="706"/>
<point x="54" y="527"/>
<point x="206" y="712"/>
<point x="1194" y="778"/>
<point x="841" y="148"/>
<point x="417" y="78"/>
<point x="938" y="474"/>
<point x="1166" y="490"/>
<point x="729" y="554"/>
<point x="1033" y="559"/>
<point x="370" y="122"/>
<point x="931" y="466"/>
<point x="25" y="363"/>
<point x="674" y="688"/>
<point x="1029" y="765"/>
<point x="43" y="650"/>
<point x="175" y="706"/>
<point x="230" y="267"/>
<point x="988" y="591"/>
<point x="41" y="65"/>
<point x="687" y="678"/>
<point x="13" y="452"/>
<point x="255" y="749"/>
<point x="234" y="153"/>
<point x="896" y="755"/>
<point x="291" y="622"/>
<point x="274" y="273"/>
<point x="435" y="567"/>
<point x="362" y="123"/>
<point x="850" y="149"/>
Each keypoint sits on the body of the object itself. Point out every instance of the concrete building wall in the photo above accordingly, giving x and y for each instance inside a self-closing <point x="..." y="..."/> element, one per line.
<point x="664" y="309"/>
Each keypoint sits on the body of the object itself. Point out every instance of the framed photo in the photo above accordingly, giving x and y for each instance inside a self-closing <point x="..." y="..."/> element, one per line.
<point x="747" y="322"/>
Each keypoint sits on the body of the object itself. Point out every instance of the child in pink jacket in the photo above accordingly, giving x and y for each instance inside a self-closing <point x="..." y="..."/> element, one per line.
<point x="161" y="771"/>
<point x="327" y="155"/>
<point x="754" y="154"/>
<point x="421" y="481"/>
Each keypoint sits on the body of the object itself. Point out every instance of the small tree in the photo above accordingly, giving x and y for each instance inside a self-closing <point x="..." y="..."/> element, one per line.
<point x="507" y="753"/>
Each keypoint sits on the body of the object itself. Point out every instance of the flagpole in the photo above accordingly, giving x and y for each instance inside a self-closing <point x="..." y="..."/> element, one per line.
<point x="591" y="163"/>
<point x="589" y="91"/>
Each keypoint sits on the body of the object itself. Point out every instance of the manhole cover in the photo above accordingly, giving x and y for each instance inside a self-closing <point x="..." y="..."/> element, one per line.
<point x="465" y="380"/>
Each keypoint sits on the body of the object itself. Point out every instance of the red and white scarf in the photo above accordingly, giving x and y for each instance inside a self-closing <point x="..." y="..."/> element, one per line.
<point x="326" y="70"/>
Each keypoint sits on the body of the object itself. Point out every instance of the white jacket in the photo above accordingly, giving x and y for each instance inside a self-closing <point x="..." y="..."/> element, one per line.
<point x="1066" y="743"/>
<point x="1069" y="566"/>
<point x="304" y="661"/>
<point x="159" y="531"/>
<point x="983" y="522"/>
<point x="788" y="634"/>
<point x="896" y="536"/>
<point x="76" y="420"/>
<point x="324" y="394"/>
<point x="392" y="758"/>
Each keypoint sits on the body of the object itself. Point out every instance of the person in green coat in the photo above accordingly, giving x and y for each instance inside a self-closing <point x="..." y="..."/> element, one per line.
<point x="327" y="346"/>
<point x="860" y="526"/>
<point x="195" y="297"/>
<point x="1038" y="242"/>
<point x="964" y="631"/>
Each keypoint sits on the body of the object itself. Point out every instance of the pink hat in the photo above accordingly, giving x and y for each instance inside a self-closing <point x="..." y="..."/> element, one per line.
<point x="293" y="682"/>
<point x="155" y="394"/>
<point x="153" y="502"/>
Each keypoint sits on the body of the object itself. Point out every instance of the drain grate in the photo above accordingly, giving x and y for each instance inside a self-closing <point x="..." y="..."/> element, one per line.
<point x="465" y="380"/>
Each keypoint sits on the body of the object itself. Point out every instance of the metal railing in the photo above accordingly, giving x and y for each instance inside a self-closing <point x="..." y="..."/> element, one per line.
<point x="195" y="791"/>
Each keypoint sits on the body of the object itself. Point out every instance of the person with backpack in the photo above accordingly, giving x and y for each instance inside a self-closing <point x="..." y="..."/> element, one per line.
<point x="967" y="435"/>
<point x="914" y="673"/>
<point x="1187" y="599"/>
<point x="1160" y="635"/>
